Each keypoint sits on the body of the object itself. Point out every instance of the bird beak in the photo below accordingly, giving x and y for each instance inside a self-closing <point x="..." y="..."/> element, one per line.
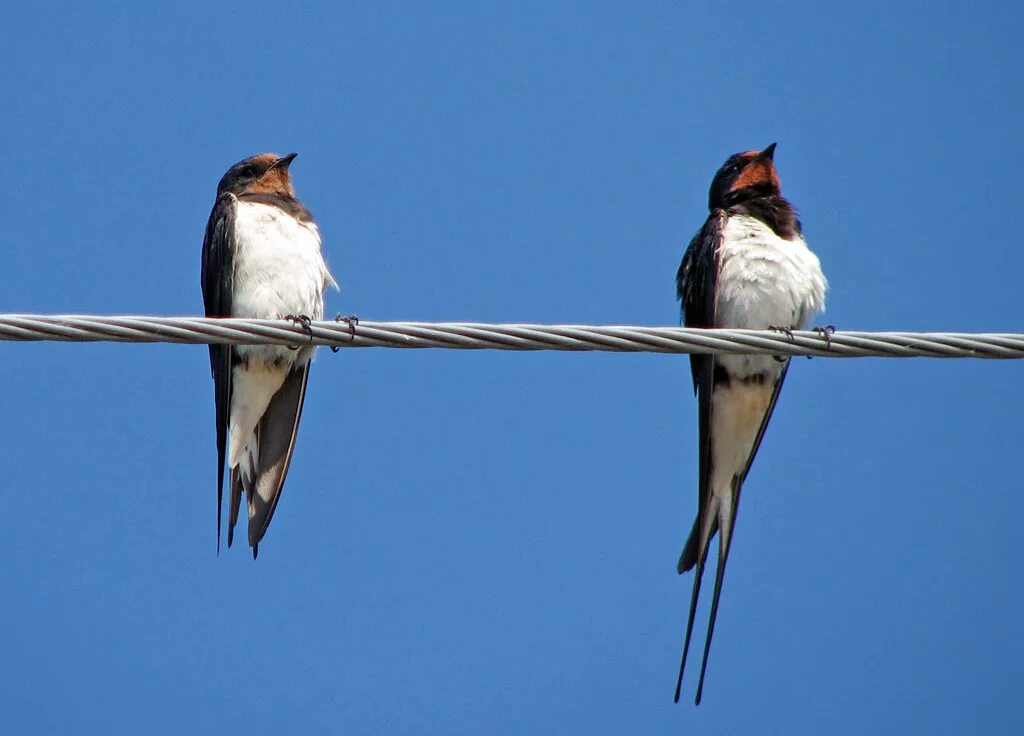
<point x="284" y="161"/>
<point x="767" y="153"/>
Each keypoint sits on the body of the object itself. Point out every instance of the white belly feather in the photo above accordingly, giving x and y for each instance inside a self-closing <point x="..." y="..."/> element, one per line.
<point x="278" y="271"/>
<point x="764" y="281"/>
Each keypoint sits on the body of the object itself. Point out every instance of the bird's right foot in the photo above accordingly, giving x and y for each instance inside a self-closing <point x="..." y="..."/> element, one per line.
<point x="826" y="331"/>
<point x="351" y="321"/>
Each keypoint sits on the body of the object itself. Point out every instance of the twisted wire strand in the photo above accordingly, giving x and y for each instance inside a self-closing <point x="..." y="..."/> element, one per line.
<point x="479" y="336"/>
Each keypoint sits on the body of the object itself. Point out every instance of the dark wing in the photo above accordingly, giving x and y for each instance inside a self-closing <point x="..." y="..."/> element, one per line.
<point x="217" y="283"/>
<point x="696" y="285"/>
<point x="697" y="281"/>
<point x="275" y="434"/>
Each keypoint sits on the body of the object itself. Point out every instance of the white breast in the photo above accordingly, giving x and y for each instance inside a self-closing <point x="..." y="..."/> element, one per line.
<point x="279" y="269"/>
<point x="764" y="281"/>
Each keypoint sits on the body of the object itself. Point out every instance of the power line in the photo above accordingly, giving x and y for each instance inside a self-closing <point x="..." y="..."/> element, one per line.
<point x="480" y="336"/>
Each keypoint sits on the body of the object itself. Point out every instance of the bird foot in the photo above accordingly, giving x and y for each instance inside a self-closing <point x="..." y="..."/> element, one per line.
<point x="303" y="321"/>
<point x="788" y="332"/>
<point x="826" y="331"/>
<point x="351" y="321"/>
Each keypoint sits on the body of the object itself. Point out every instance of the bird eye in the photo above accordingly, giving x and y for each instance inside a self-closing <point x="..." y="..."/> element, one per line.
<point x="248" y="170"/>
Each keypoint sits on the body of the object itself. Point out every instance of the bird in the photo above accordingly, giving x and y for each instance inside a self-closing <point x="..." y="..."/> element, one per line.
<point x="261" y="259"/>
<point x="747" y="267"/>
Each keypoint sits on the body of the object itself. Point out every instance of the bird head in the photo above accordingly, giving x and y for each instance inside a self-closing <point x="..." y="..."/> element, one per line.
<point x="266" y="173"/>
<point x="744" y="176"/>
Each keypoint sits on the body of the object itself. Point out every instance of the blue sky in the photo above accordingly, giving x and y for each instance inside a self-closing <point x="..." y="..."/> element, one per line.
<point x="485" y="542"/>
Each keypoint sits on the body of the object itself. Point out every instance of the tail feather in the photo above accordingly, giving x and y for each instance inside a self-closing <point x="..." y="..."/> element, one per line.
<point x="236" y="501"/>
<point x="704" y="529"/>
<point x="727" y="522"/>
<point x="723" y="551"/>
<point x="689" y="625"/>
<point x="275" y="442"/>
<point x="688" y="558"/>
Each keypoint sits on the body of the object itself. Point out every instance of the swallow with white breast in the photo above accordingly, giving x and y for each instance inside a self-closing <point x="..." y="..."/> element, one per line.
<point x="749" y="268"/>
<point x="261" y="260"/>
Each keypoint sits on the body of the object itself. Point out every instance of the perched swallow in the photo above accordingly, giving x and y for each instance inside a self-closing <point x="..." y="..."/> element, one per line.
<point x="261" y="259"/>
<point x="748" y="267"/>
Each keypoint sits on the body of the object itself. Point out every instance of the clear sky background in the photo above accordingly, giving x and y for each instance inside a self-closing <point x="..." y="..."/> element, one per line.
<point x="485" y="542"/>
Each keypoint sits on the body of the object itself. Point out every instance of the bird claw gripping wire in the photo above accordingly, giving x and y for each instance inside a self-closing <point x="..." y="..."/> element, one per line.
<point x="826" y="331"/>
<point x="300" y="320"/>
<point x="351" y="321"/>
<point x="788" y="332"/>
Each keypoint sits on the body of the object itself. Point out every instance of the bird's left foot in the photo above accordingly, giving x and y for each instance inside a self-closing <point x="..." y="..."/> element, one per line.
<point x="788" y="332"/>
<point x="351" y="321"/>
<point x="303" y="321"/>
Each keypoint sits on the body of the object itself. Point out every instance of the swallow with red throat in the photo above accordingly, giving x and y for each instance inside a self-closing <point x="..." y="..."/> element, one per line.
<point x="749" y="268"/>
<point x="262" y="260"/>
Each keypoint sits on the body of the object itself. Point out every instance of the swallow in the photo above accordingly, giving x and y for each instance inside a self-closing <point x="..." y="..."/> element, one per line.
<point x="748" y="267"/>
<point x="261" y="259"/>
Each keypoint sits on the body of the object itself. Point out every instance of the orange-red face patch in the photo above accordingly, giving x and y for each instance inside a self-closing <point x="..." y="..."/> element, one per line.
<point x="274" y="181"/>
<point x="756" y="172"/>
